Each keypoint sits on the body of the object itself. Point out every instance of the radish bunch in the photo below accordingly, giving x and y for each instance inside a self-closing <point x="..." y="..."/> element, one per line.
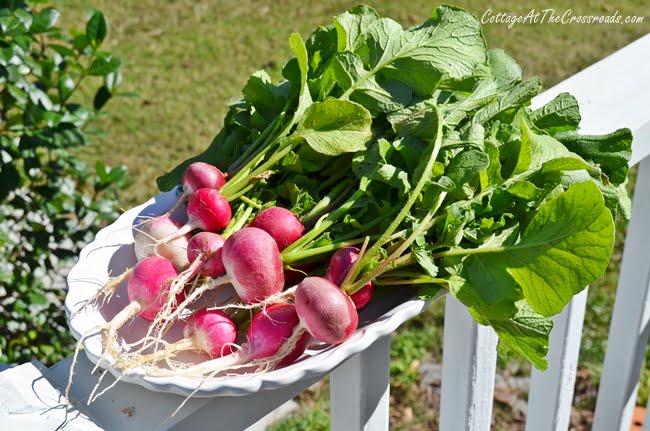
<point x="183" y="267"/>
<point x="333" y="193"/>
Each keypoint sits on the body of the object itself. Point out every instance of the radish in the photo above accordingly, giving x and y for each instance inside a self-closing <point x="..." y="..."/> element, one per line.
<point x="152" y="231"/>
<point x="204" y="248"/>
<point x="283" y="226"/>
<point x="147" y="290"/>
<point x="146" y="245"/>
<point x="338" y="268"/>
<point x="209" y="331"/>
<point x="198" y="175"/>
<point x="325" y="311"/>
<point x="253" y="266"/>
<point x="267" y="335"/>
<point x="206" y="210"/>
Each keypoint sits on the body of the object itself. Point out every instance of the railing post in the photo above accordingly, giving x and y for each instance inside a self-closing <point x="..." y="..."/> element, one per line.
<point x="359" y="390"/>
<point x="551" y="392"/>
<point x="468" y="366"/>
<point x="628" y="333"/>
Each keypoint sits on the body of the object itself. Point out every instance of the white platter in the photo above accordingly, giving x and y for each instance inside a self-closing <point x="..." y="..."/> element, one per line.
<point x="112" y="252"/>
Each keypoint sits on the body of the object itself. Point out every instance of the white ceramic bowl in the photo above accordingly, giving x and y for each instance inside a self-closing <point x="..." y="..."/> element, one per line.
<point x="112" y="252"/>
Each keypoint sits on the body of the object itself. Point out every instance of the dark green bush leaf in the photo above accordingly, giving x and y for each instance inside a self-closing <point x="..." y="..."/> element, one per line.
<point x="102" y="66"/>
<point x="96" y="29"/>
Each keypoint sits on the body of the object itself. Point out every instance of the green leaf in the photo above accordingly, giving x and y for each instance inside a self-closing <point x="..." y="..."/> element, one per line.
<point x="560" y="114"/>
<point x="63" y="50"/>
<point x="524" y="190"/>
<point x="484" y="287"/>
<point x="44" y="20"/>
<point x="267" y="98"/>
<point x="304" y="97"/>
<point x="539" y="151"/>
<point x="526" y="333"/>
<point x="112" y="81"/>
<point x="492" y="292"/>
<point x="566" y="246"/>
<point x="420" y="121"/>
<point x="504" y="68"/>
<point x="96" y="29"/>
<point x="454" y="113"/>
<point x="66" y="86"/>
<point x="334" y="127"/>
<point x="423" y="254"/>
<point x="449" y="45"/>
<point x="347" y="69"/>
<point x="611" y="152"/>
<point x="104" y="65"/>
<point x="565" y="164"/>
<point x="410" y="149"/>
<point x="518" y="96"/>
<point x="351" y="25"/>
<point x="466" y="165"/>
<point x="616" y="196"/>
<point x="101" y="97"/>
<point x="373" y="164"/>
<point x="491" y="177"/>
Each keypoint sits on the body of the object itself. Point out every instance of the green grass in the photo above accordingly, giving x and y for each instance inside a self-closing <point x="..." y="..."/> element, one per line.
<point x="186" y="59"/>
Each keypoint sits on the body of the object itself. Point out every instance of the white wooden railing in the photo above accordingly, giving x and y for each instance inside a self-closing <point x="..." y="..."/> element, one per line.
<point x="613" y="93"/>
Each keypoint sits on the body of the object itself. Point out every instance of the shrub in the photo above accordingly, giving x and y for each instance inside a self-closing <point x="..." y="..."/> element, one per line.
<point x="51" y="203"/>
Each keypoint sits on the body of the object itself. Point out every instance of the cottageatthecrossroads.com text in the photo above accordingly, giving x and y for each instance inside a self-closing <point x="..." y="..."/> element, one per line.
<point x="554" y="16"/>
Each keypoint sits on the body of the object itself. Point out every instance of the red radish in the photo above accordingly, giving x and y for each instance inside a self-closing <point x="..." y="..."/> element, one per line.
<point x="271" y="328"/>
<point x="200" y="175"/>
<point x="268" y="334"/>
<point x="149" y="285"/>
<point x="209" y="331"/>
<point x="325" y="311"/>
<point x="205" y="247"/>
<point x="147" y="291"/>
<point x="340" y="265"/>
<point x="253" y="266"/>
<point x="253" y="262"/>
<point x="147" y="241"/>
<point x="281" y="224"/>
<point x="206" y="210"/>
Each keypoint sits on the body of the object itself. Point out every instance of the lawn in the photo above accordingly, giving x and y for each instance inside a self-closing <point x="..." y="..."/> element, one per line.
<point x="186" y="59"/>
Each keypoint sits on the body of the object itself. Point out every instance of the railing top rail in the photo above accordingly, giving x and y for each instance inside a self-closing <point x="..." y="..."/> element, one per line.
<point x="613" y="93"/>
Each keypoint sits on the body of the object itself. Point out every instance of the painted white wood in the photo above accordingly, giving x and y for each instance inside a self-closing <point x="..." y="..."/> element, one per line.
<point x="468" y="367"/>
<point x="29" y="402"/>
<point x="551" y="392"/>
<point x="640" y="144"/>
<point x="359" y="390"/>
<point x="613" y="92"/>
<point x="238" y="413"/>
<point x="628" y="333"/>
<point x="127" y="407"/>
